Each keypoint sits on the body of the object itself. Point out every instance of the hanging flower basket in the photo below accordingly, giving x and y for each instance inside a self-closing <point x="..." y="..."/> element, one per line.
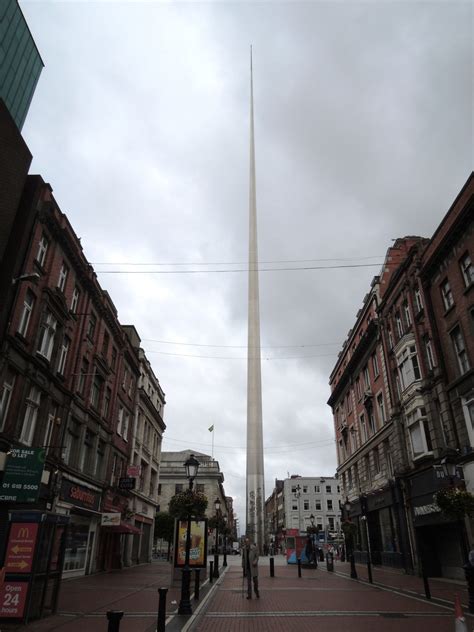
<point x="312" y="530"/>
<point x="188" y="503"/>
<point x="455" y="502"/>
<point x="219" y="522"/>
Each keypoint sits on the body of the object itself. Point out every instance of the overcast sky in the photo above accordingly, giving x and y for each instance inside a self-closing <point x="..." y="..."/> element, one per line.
<point x="364" y="133"/>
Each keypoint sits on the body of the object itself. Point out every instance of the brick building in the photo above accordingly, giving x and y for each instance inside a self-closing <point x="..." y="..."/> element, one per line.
<point x="68" y="383"/>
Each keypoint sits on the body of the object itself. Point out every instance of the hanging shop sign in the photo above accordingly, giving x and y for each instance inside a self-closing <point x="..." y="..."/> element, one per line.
<point x="133" y="470"/>
<point x="110" y="519"/>
<point x="128" y="482"/>
<point x="22" y="476"/>
<point x="79" y="495"/>
<point x="13" y="599"/>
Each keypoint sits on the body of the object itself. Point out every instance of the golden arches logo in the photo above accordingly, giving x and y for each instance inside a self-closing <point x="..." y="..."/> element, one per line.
<point x="24" y="533"/>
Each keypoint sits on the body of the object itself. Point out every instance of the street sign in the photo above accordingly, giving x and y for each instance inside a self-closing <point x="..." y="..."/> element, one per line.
<point x="21" y="547"/>
<point x="127" y="483"/>
<point x="110" y="519"/>
<point x="22" y="477"/>
<point x="13" y="599"/>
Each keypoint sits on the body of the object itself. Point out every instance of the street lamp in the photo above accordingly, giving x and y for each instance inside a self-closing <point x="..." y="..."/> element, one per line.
<point x="224" y="519"/>
<point x="350" y="553"/>
<point x="217" y="505"/>
<point x="297" y="494"/>
<point x="313" y="546"/>
<point x="191" y="466"/>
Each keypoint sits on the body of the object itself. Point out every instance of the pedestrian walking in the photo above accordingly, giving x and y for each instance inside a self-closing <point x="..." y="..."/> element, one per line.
<point x="250" y="567"/>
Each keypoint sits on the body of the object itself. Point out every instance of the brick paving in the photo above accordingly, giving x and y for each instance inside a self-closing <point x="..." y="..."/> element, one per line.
<point x="322" y="601"/>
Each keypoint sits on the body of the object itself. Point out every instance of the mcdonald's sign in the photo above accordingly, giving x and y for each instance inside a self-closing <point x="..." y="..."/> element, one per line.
<point x="21" y="547"/>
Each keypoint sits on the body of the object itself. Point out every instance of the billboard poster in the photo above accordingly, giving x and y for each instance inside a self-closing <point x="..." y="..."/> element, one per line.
<point x="21" y="547"/>
<point x="22" y="477"/>
<point x="198" y="549"/>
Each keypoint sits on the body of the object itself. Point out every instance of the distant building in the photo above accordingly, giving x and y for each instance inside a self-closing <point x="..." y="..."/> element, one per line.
<point x="20" y="61"/>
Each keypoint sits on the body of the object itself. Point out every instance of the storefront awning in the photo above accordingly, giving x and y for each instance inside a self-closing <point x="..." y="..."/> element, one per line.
<point x="123" y="527"/>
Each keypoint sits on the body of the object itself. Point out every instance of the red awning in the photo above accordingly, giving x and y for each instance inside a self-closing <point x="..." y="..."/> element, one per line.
<point x="123" y="527"/>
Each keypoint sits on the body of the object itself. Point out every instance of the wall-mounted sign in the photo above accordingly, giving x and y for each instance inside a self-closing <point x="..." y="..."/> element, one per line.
<point x="21" y="547"/>
<point x="133" y="470"/>
<point x="13" y="599"/>
<point x="22" y="477"/>
<point x="110" y="519"/>
<point x="79" y="495"/>
<point x="127" y="482"/>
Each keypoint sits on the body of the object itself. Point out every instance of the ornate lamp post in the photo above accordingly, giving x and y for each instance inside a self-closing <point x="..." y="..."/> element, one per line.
<point x="350" y="552"/>
<point x="192" y="467"/>
<point x="217" y="505"/>
<point x="313" y="545"/>
<point x="224" y="563"/>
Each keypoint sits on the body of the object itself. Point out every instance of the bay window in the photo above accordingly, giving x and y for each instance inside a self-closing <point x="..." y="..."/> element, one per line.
<point x="419" y="433"/>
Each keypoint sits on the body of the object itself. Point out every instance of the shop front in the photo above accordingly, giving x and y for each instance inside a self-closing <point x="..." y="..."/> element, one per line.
<point x="81" y="502"/>
<point x="438" y="539"/>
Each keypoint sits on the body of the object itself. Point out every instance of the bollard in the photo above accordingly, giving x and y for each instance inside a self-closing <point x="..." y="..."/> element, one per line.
<point x="353" y="566"/>
<point x="161" y="623"/>
<point x="369" y="568"/>
<point x="272" y="567"/>
<point x="321" y="555"/>
<point x="329" y="562"/>
<point x="469" y="574"/>
<point x="211" y="571"/>
<point x="196" y="583"/>
<point x="113" y="617"/>
<point x="299" y="567"/>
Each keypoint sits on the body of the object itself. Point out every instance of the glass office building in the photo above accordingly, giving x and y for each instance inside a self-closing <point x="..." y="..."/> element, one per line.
<point x="20" y="61"/>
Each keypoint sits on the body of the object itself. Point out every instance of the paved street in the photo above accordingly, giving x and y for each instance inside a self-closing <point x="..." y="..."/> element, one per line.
<point x="327" y="602"/>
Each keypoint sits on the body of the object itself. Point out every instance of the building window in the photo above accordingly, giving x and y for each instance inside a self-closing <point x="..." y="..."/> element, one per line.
<point x="388" y="459"/>
<point x="63" y="277"/>
<point x="75" y="300"/>
<point x="105" y="344"/>
<point x="318" y="505"/>
<point x="100" y="458"/>
<point x="390" y="337"/>
<point x="120" y="420"/>
<point x="178" y="488"/>
<point x="375" y="364"/>
<point x="28" y="304"/>
<point x="31" y="416"/>
<point x="460" y="350"/>
<point x="305" y="489"/>
<point x="372" y="425"/>
<point x="358" y="388"/>
<point x="366" y="377"/>
<point x="408" y="366"/>
<point x="114" y="358"/>
<point x="294" y="507"/>
<point x="447" y="295"/>
<point x="381" y="408"/>
<point x="467" y="270"/>
<point x="107" y="398"/>
<point x="125" y="378"/>
<point x="86" y="463"/>
<point x="328" y="489"/>
<point x="429" y="354"/>
<point x="48" y="331"/>
<point x="316" y="489"/>
<point x="200" y="487"/>
<point x="363" y="428"/>
<point x="126" y="422"/>
<point x="399" y="324"/>
<point x="48" y="435"/>
<point x="376" y="461"/>
<point x="368" y="473"/>
<point x="63" y="355"/>
<point x="96" y="390"/>
<point x="71" y="443"/>
<point x="418" y="300"/>
<point x="82" y="376"/>
<point x="419" y="433"/>
<point x="42" y="250"/>
<point x="406" y="310"/>
<point x="349" y="402"/>
<point x="306" y="505"/>
<point x="5" y="397"/>
<point x="468" y="409"/>
<point x="329" y="504"/>
<point x="91" y="326"/>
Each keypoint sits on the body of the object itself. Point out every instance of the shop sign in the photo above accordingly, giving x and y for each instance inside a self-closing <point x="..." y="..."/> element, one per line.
<point x="426" y="510"/>
<point x="22" y="477"/>
<point x="13" y="599"/>
<point x="197" y="552"/>
<point x="79" y="495"/>
<point x="110" y="519"/>
<point x="127" y="482"/>
<point x="133" y="470"/>
<point x="21" y="547"/>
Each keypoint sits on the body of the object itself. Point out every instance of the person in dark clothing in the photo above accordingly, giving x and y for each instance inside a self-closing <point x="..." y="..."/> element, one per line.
<point x="250" y="567"/>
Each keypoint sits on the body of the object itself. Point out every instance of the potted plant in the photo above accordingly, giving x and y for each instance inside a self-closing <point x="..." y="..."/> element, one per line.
<point x="455" y="502"/>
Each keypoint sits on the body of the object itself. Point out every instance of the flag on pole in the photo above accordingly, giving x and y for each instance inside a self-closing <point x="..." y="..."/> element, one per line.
<point x="211" y="428"/>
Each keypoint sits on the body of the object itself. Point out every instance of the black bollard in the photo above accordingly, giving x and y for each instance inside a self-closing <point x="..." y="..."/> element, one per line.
<point x="369" y="568"/>
<point x="321" y="555"/>
<point x="211" y="571"/>
<point x="329" y="562"/>
<point x="353" y="567"/>
<point x="272" y="567"/>
<point x="161" y="623"/>
<point x="196" y="583"/>
<point x="113" y="617"/>
<point x="299" y="567"/>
